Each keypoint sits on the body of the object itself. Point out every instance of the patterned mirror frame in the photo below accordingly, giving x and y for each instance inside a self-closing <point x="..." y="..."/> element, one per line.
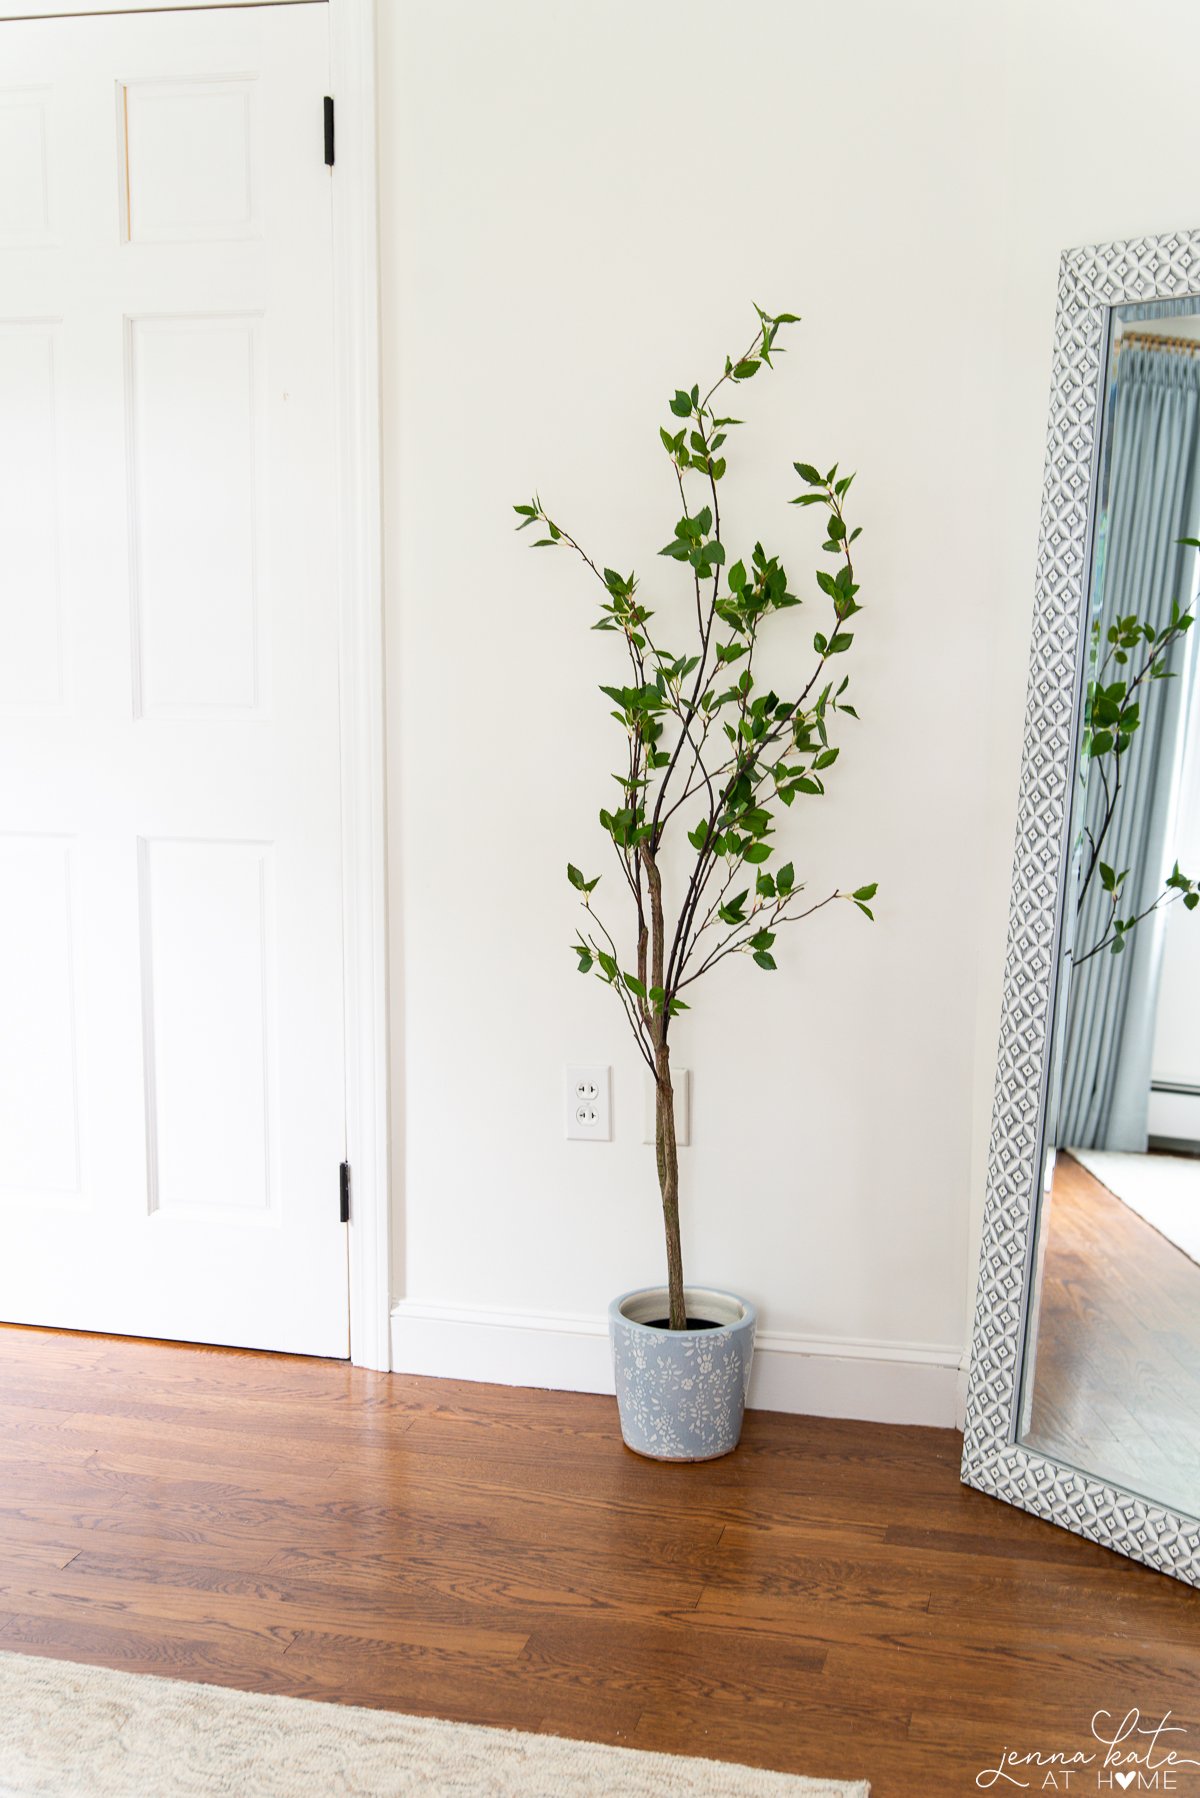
<point x="1092" y="280"/>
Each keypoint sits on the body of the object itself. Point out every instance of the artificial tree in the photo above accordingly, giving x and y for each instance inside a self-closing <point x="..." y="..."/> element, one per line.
<point x="698" y="728"/>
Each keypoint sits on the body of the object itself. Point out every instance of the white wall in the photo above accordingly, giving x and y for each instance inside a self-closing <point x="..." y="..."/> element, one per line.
<point x="579" y="204"/>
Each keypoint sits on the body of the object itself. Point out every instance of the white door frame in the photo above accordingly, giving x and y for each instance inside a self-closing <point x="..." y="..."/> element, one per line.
<point x="360" y="633"/>
<point x="361" y="647"/>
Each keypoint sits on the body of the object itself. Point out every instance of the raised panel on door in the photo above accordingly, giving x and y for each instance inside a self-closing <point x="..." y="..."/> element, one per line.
<point x="25" y="216"/>
<point x="39" y="1075"/>
<point x="31" y="664"/>
<point x="190" y="149"/>
<point x="210" y="1009"/>
<point x="195" y="430"/>
<point x="171" y="1051"/>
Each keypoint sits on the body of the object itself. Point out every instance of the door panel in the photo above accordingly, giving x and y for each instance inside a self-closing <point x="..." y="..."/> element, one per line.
<point x="31" y="673"/>
<point x="171" y="1072"/>
<point x="195" y="427"/>
<point x="39" y="1108"/>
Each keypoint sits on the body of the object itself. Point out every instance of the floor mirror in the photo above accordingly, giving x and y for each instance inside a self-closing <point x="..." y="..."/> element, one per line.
<point x="1084" y="1396"/>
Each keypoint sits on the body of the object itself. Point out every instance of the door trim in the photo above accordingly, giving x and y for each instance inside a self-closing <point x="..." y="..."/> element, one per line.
<point x="361" y="655"/>
<point x="355" y="188"/>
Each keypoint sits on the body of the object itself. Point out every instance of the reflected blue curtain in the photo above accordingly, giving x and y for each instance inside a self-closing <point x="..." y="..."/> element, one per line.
<point x="1153" y="500"/>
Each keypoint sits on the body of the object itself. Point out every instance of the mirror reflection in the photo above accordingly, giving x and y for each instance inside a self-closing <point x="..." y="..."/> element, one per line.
<point x="1112" y="1366"/>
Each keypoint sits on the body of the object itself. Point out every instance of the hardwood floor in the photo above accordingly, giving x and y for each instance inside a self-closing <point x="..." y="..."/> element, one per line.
<point x="1116" y="1374"/>
<point x="830" y="1600"/>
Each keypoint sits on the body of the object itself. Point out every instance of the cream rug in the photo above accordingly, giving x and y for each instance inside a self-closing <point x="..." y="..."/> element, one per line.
<point x="1163" y="1189"/>
<point x="84" y="1732"/>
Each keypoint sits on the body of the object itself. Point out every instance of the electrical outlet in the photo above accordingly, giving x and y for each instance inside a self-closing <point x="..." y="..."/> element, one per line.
<point x="681" y="1081"/>
<point x="588" y="1094"/>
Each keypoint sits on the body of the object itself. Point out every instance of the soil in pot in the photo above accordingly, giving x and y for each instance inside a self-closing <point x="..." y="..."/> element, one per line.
<point x="693" y="1323"/>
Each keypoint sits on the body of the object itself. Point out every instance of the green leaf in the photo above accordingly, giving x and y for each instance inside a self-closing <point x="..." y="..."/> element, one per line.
<point x="756" y="852"/>
<point x="861" y="893"/>
<point x="635" y="986"/>
<point x="785" y="880"/>
<point x="808" y="473"/>
<point x="681" y="405"/>
<point x="865" y="910"/>
<point x="826" y="758"/>
<point x="744" y="370"/>
<point x="764" y="959"/>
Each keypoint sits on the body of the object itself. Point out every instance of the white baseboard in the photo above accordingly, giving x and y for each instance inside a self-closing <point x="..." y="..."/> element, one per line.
<point x="816" y="1376"/>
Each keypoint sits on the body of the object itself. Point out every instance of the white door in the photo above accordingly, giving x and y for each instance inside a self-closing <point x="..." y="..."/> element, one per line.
<point x="171" y="1066"/>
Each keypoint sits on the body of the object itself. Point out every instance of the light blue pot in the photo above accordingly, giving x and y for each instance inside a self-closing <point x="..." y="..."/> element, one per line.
<point x="681" y="1394"/>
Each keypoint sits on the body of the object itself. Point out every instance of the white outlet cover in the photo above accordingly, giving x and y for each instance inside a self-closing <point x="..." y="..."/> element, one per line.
<point x="681" y="1080"/>
<point x="587" y="1098"/>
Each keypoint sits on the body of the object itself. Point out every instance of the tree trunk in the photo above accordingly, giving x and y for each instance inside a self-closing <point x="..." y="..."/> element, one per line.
<point x="668" y="1183"/>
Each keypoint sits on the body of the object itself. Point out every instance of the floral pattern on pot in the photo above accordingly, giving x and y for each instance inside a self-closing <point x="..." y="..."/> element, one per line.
<point x="681" y="1394"/>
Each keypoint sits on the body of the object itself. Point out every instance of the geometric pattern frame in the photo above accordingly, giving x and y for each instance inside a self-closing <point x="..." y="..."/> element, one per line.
<point x="1092" y="281"/>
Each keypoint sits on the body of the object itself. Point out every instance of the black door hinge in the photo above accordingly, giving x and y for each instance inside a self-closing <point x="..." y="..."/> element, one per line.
<point x="328" y="131"/>
<point x="344" y="1193"/>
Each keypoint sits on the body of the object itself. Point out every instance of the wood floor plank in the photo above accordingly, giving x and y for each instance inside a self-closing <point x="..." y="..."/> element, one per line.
<point x="361" y="1668"/>
<point x="830" y="1600"/>
<point x="264" y="1607"/>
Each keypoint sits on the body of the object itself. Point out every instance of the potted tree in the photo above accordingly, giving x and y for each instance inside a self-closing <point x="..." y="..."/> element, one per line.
<point x="710" y="752"/>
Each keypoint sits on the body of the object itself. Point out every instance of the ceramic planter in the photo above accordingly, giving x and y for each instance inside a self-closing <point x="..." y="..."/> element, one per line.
<point x="681" y="1393"/>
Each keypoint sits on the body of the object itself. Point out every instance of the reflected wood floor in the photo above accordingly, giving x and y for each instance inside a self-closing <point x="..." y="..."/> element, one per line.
<point x="830" y="1600"/>
<point x="1116" y="1385"/>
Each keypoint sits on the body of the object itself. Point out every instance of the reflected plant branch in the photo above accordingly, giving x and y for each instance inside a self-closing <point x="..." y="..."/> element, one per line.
<point x="1113" y="714"/>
